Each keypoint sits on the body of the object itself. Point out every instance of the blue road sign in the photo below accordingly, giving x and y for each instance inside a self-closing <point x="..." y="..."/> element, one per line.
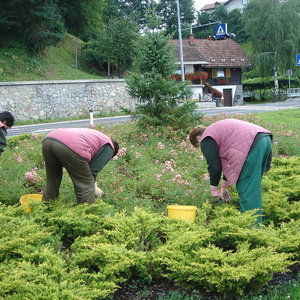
<point x="297" y="59"/>
<point x="221" y="30"/>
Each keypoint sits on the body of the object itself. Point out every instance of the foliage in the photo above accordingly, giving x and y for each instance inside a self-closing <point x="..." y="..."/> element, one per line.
<point x="69" y="251"/>
<point x="57" y="63"/>
<point x="157" y="93"/>
<point x="273" y="28"/>
<point x="83" y="18"/>
<point x="37" y="24"/>
<point x="112" y="45"/>
<point x="233" y="19"/>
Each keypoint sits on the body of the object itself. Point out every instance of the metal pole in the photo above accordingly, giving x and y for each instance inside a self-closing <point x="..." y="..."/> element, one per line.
<point x="180" y="42"/>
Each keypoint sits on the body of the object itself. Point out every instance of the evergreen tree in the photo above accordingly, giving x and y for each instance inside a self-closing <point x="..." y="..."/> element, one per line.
<point x="34" y="23"/>
<point x="153" y="87"/>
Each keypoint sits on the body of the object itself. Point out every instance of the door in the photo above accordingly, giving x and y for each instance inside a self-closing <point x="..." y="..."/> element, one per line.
<point x="227" y="93"/>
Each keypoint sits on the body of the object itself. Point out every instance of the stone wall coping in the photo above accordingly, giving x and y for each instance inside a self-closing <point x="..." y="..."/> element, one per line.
<point x="11" y="83"/>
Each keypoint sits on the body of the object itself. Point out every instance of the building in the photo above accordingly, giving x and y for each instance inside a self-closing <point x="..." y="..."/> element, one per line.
<point x="222" y="60"/>
<point x="230" y="5"/>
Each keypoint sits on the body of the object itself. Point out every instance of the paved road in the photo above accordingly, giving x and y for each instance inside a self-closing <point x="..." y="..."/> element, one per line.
<point x="46" y="127"/>
<point x="252" y="108"/>
<point x="243" y="109"/>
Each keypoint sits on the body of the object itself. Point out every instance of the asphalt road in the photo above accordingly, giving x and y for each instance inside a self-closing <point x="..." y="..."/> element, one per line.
<point x="242" y="109"/>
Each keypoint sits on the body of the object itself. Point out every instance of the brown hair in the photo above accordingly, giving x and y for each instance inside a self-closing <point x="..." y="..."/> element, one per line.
<point x="7" y="117"/>
<point x="116" y="146"/>
<point x="195" y="133"/>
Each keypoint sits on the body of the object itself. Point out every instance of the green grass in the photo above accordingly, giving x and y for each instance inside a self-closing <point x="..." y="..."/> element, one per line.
<point x="57" y="63"/>
<point x="67" y="243"/>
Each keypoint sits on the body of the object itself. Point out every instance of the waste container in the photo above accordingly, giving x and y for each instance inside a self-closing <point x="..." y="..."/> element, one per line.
<point x="217" y="100"/>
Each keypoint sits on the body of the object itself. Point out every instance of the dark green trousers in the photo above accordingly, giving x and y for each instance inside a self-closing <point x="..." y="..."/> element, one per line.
<point x="249" y="184"/>
<point x="56" y="156"/>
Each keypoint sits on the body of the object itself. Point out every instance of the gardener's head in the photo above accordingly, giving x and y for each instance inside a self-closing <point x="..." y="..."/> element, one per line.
<point x="195" y="135"/>
<point x="7" y="119"/>
<point x="116" y="146"/>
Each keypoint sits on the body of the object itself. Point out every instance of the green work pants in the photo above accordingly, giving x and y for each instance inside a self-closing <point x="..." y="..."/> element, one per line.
<point x="56" y="156"/>
<point x="249" y="184"/>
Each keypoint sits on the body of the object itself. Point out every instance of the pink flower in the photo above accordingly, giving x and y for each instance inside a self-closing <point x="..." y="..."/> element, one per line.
<point x="160" y="145"/>
<point x="34" y="135"/>
<point x="178" y="179"/>
<point x="32" y="177"/>
<point x="19" y="159"/>
<point x="122" y="151"/>
<point x="168" y="166"/>
<point x="182" y="144"/>
<point x="137" y="155"/>
<point x="158" y="176"/>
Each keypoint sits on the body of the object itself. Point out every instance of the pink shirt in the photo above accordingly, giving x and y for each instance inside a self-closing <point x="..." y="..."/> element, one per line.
<point x="83" y="141"/>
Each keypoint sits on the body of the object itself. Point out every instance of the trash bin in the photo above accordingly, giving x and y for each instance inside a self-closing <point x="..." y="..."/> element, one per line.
<point x="217" y="100"/>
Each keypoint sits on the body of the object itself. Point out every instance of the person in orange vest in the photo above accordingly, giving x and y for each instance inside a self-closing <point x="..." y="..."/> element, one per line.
<point x="239" y="152"/>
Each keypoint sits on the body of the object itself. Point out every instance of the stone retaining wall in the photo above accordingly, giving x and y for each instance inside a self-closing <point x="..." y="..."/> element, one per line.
<point x="33" y="100"/>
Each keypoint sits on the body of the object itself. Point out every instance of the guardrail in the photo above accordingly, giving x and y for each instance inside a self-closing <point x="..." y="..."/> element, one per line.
<point x="293" y="92"/>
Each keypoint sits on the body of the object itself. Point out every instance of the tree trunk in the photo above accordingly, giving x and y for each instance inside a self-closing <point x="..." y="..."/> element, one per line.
<point x="276" y="84"/>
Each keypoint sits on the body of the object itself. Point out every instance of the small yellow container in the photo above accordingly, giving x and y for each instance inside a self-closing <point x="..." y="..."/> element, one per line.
<point x="25" y="199"/>
<point x="182" y="212"/>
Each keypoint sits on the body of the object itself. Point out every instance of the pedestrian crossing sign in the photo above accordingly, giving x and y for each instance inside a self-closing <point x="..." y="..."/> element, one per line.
<point x="297" y="59"/>
<point x="220" y="30"/>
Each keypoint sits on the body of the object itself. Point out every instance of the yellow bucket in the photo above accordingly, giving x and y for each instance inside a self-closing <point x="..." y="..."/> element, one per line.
<point x="25" y="199"/>
<point x="182" y="212"/>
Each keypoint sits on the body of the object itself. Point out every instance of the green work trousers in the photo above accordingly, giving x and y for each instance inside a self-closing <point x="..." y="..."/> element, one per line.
<point x="249" y="184"/>
<point x="56" y="156"/>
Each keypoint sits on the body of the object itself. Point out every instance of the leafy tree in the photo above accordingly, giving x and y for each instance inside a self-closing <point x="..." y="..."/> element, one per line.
<point x="35" y="23"/>
<point x="83" y="18"/>
<point x="274" y="29"/>
<point x="153" y="87"/>
<point x="114" y="45"/>
<point x="167" y="11"/>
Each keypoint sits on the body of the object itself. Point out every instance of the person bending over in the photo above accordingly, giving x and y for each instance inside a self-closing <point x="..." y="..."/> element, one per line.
<point x="240" y="153"/>
<point x="83" y="152"/>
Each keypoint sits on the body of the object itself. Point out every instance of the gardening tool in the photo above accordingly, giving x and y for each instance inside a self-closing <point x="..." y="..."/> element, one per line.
<point x="223" y="199"/>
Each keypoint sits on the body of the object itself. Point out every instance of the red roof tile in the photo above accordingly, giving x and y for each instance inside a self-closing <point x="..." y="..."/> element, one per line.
<point x="216" y="53"/>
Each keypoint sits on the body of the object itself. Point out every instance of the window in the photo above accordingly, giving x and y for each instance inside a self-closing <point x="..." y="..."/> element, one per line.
<point x="221" y="72"/>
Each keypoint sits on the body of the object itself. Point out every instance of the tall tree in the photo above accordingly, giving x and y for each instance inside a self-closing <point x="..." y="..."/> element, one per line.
<point x="153" y="86"/>
<point x="167" y="11"/>
<point x="274" y="29"/>
<point x="114" y="45"/>
<point x="35" y="23"/>
<point x="83" y="18"/>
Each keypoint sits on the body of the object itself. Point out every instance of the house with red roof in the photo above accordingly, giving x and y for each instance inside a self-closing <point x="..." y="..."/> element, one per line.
<point x="229" y="4"/>
<point x="220" y="61"/>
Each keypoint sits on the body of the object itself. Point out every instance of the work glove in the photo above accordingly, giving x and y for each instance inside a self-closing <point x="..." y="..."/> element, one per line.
<point x="98" y="192"/>
<point x="214" y="190"/>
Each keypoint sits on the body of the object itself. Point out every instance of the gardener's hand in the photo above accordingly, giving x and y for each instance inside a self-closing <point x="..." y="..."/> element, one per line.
<point x="98" y="192"/>
<point x="214" y="190"/>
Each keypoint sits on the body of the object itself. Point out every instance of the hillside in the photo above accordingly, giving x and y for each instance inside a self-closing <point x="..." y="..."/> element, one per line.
<point x="57" y="63"/>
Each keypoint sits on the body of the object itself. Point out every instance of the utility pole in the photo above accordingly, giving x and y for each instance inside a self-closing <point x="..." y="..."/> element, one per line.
<point x="180" y="41"/>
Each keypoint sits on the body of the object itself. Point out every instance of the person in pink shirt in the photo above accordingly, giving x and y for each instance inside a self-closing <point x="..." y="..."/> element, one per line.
<point x="83" y="152"/>
<point x="240" y="152"/>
